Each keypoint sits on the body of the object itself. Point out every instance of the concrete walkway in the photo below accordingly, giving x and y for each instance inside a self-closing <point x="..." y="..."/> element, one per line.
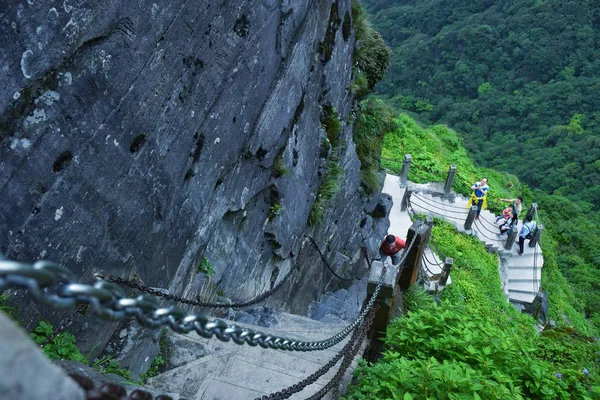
<point x="520" y="275"/>
<point x="209" y="369"/>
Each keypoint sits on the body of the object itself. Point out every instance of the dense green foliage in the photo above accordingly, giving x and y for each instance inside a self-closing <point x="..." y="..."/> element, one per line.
<point x="57" y="347"/>
<point x="474" y="345"/>
<point x="519" y="80"/>
<point x="374" y="119"/>
<point x="372" y="56"/>
<point x="570" y="234"/>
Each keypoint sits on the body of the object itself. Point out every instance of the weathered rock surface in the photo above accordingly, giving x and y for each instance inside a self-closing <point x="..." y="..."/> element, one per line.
<point x="26" y="372"/>
<point x="139" y="138"/>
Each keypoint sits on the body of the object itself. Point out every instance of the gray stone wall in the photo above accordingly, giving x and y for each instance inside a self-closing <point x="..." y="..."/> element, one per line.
<point x="137" y="138"/>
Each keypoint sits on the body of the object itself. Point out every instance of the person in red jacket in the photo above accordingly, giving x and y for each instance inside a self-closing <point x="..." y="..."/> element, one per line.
<point x="391" y="247"/>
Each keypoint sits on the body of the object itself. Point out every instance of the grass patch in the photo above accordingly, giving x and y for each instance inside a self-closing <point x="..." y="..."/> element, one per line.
<point x="327" y="191"/>
<point x="279" y="168"/>
<point x="331" y="123"/>
<point x="275" y="210"/>
<point x="373" y="121"/>
<point x="433" y="150"/>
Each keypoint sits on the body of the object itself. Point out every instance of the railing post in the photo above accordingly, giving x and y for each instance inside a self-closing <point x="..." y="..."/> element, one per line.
<point x="405" y="170"/>
<point x="537" y="234"/>
<point x="512" y="236"/>
<point x="470" y="218"/>
<point x="532" y="210"/>
<point x="389" y="301"/>
<point x="448" y="186"/>
<point x="448" y="262"/>
<point x="405" y="199"/>
<point x="419" y="232"/>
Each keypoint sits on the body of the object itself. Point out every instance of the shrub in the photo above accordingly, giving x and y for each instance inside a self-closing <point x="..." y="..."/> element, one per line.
<point x="372" y="56"/>
<point x="205" y="267"/>
<point x="373" y="121"/>
<point x="57" y="347"/>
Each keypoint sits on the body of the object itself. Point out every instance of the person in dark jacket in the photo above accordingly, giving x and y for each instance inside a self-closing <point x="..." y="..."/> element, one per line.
<point x="391" y="247"/>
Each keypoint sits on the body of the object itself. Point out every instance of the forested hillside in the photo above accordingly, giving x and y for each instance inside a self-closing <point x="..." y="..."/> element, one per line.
<point x="519" y="81"/>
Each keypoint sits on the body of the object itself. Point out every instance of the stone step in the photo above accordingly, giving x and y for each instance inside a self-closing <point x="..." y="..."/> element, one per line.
<point x="524" y="286"/>
<point x="520" y="273"/>
<point x="521" y="297"/>
<point x="211" y="369"/>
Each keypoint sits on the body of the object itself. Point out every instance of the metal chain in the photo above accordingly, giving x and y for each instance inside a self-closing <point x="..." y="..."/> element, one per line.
<point x="62" y="327"/>
<point x="440" y="206"/>
<point x="312" y="240"/>
<point x="348" y="357"/>
<point x="55" y="286"/>
<point x="183" y="300"/>
<point x="358" y="335"/>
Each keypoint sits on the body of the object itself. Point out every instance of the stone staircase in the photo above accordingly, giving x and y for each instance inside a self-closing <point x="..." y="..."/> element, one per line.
<point x="209" y="369"/>
<point x="520" y="275"/>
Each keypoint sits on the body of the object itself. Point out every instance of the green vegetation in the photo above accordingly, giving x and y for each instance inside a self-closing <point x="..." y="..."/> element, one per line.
<point x="372" y="56"/>
<point x="205" y="267"/>
<point x="8" y="310"/>
<point x="474" y="345"/>
<point x="373" y="121"/>
<point x="57" y="347"/>
<point x="275" y="210"/>
<point x="332" y="124"/>
<point x="327" y="191"/>
<point x="278" y="168"/>
<point x="571" y="238"/>
<point x="519" y="82"/>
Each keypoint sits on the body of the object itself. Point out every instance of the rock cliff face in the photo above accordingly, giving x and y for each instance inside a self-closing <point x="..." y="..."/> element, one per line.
<point x="139" y="138"/>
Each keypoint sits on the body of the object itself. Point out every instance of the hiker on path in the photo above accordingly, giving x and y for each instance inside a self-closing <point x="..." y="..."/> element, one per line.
<point x="517" y="204"/>
<point x="479" y="195"/>
<point x="526" y="232"/>
<point x="391" y="247"/>
<point x="506" y="214"/>
<point x="508" y="223"/>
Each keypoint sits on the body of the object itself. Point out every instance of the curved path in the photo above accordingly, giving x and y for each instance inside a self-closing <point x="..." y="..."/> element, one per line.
<point x="520" y="275"/>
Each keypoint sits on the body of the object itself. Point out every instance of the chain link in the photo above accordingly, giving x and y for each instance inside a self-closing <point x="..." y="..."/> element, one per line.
<point x="183" y="300"/>
<point x="55" y="286"/>
<point x="312" y="240"/>
<point x="348" y="351"/>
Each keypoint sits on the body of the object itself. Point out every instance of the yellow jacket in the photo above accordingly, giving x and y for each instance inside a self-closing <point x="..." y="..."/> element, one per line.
<point x="473" y="200"/>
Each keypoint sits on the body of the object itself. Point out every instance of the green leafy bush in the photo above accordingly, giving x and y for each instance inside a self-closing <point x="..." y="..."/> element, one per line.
<point x="59" y="347"/>
<point x="205" y="267"/>
<point x="372" y="55"/>
<point x="476" y="345"/>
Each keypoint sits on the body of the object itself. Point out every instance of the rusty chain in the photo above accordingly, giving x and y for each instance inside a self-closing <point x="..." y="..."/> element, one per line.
<point x="183" y="300"/>
<point x="53" y="285"/>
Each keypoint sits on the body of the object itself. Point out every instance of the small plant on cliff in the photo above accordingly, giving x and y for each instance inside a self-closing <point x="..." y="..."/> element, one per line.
<point x="275" y="210"/>
<point x="331" y="123"/>
<point x="374" y="120"/>
<point x="278" y="168"/>
<point x="327" y="191"/>
<point x="8" y="310"/>
<point x="205" y="267"/>
<point x="60" y="346"/>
